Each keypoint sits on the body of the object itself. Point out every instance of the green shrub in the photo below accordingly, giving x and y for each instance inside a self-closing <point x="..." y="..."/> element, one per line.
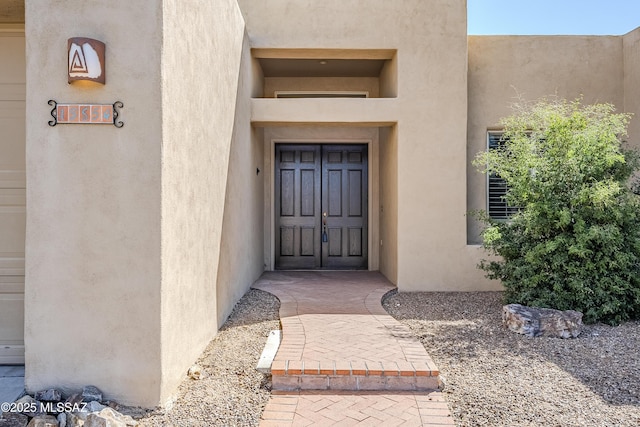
<point x="575" y="242"/>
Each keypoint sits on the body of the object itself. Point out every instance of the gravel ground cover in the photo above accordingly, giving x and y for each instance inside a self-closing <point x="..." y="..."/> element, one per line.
<point x="493" y="377"/>
<point x="230" y="392"/>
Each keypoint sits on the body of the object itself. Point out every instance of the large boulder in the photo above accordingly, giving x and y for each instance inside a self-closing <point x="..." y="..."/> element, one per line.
<point x="536" y="322"/>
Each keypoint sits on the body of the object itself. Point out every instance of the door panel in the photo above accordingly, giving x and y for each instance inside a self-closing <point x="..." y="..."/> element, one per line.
<point x="311" y="180"/>
<point x="344" y="172"/>
<point x="297" y="206"/>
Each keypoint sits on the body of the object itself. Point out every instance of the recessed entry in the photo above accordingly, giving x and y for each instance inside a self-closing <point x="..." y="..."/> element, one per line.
<point x="321" y="206"/>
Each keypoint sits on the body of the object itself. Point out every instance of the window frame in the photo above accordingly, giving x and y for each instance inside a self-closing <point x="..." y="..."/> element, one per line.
<point x="493" y="181"/>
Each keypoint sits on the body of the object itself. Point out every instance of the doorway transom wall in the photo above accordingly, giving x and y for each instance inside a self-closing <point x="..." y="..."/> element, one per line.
<point x="321" y="206"/>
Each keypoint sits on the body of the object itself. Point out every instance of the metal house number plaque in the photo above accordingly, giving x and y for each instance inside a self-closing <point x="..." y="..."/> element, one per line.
<point x="88" y="114"/>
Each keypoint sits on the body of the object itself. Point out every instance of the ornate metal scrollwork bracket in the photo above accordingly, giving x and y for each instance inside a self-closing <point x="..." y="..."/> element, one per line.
<point x="54" y="113"/>
<point x="116" y="113"/>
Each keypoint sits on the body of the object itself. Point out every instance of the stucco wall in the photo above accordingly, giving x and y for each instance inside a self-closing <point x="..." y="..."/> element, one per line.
<point x="430" y="108"/>
<point x="203" y="45"/>
<point x="504" y="67"/>
<point x="389" y="203"/>
<point x="241" y="250"/>
<point x="93" y="195"/>
<point x="121" y="289"/>
<point x="631" y="44"/>
<point x="389" y="79"/>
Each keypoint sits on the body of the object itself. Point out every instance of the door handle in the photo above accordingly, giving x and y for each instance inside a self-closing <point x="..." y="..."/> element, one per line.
<point x="325" y="237"/>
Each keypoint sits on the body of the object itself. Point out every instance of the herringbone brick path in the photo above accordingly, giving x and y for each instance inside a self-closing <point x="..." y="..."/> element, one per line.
<point x="342" y="408"/>
<point x="337" y="337"/>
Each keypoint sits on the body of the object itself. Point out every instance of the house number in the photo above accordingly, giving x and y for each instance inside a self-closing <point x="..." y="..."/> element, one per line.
<point x="87" y="114"/>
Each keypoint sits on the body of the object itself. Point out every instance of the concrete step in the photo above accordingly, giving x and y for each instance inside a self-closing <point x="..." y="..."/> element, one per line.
<point x="295" y="375"/>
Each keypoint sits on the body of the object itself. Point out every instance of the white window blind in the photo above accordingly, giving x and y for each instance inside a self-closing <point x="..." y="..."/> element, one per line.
<point x="497" y="206"/>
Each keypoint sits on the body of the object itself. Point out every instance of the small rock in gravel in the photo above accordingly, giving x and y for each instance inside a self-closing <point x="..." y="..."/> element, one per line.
<point x="94" y="407"/>
<point x="134" y="412"/>
<point x="28" y="402"/>
<point x="74" y="399"/>
<point x="195" y="372"/>
<point x="91" y="393"/>
<point x="111" y="418"/>
<point x="50" y="395"/>
<point x="43" y="421"/>
<point x="13" y="419"/>
<point x="76" y="419"/>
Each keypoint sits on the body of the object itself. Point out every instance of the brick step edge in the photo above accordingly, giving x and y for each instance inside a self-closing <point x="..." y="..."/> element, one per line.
<point x="424" y="368"/>
<point x="354" y="382"/>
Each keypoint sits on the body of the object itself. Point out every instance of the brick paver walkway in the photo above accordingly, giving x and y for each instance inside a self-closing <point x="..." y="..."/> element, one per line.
<point x="343" y="360"/>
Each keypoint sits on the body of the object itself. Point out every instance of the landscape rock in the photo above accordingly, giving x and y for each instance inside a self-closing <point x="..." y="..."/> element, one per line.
<point x="94" y="407"/>
<point x="109" y="418"/>
<point x="91" y="393"/>
<point x="535" y="322"/>
<point x="27" y="401"/>
<point x="13" y="419"/>
<point x="50" y="395"/>
<point x="95" y="420"/>
<point x="43" y="421"/>
<point x="135" y="412"/>
<point x="74" y="399"/>
<point x="76" y="419"/>
<point x="75" y="411"/>
<point x="195" y="372"/>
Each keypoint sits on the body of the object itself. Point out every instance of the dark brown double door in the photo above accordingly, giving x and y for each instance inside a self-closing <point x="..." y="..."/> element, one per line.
<point x="321" y="206"/>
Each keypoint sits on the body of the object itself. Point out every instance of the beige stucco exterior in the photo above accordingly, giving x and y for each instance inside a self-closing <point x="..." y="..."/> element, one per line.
<point x="241" y="245"/>
<point x="93" y="265"/>
<point x="631" y="71"/>
<point x="503" y="68"/>
<point x="140" y="240"/>
<point x="419" y="236"/>
<point x="199" y="134"/>
<point x="122" y="290"/>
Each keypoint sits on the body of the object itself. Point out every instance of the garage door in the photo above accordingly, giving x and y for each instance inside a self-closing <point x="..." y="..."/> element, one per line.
<point x="12" y="195"/>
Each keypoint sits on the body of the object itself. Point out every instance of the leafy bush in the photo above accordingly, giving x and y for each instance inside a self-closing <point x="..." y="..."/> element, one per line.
<point x="575" y="242"/>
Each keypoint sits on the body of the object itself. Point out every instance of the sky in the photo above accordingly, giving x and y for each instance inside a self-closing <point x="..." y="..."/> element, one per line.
<point x="551" y="17"/>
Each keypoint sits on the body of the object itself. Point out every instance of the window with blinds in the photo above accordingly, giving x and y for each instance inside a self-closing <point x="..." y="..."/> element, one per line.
<point x="497" y="206"/>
